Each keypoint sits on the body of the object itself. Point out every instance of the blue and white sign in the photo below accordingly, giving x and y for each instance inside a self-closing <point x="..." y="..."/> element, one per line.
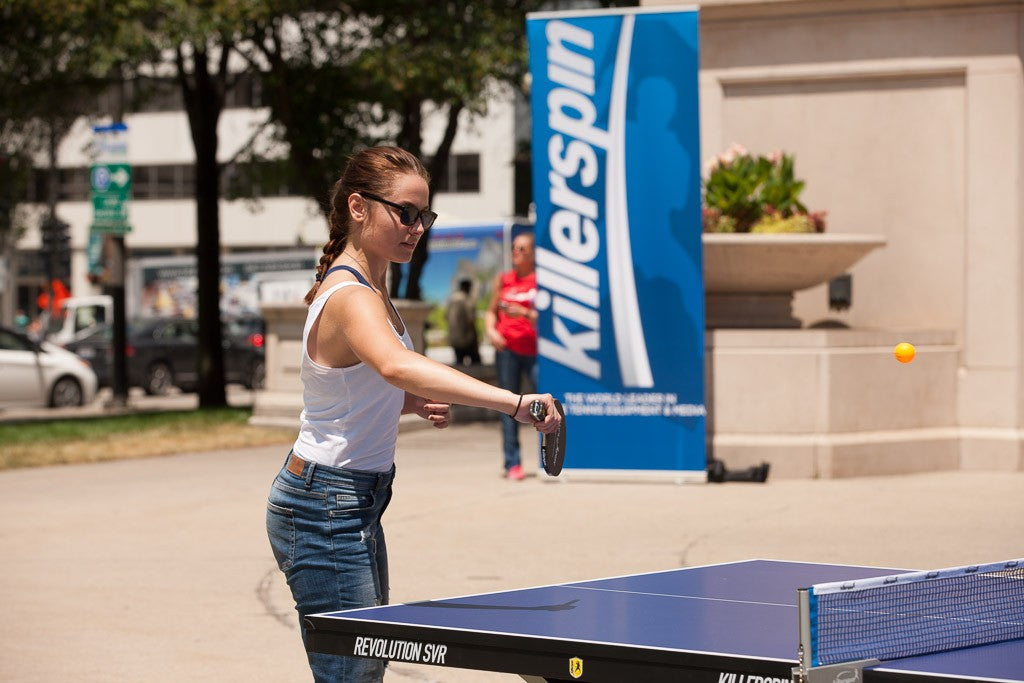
<point x="110" y="179"/>
<point x="476" y="250"/>
<point x="616" y="180"/>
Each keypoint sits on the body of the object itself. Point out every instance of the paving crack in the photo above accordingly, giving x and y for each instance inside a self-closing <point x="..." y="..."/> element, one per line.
<point x="264" y="593"/>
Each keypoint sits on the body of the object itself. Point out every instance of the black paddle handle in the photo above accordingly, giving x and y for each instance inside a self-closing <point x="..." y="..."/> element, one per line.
<point x="538" y="410"/>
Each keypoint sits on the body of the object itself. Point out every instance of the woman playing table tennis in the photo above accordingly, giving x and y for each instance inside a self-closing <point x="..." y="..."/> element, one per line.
<point x="359" y="374"/>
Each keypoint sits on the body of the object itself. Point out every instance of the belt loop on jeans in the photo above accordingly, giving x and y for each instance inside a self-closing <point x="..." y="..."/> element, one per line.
<point x="384" y="479"/>
<point x="311" y="467"/>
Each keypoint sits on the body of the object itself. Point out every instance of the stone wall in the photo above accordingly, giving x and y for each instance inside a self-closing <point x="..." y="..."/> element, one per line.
<point x="906" y="119"/>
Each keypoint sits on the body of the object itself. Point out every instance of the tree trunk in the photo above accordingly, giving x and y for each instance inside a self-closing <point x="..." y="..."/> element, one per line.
<point x="410" y="138"/>
<point x="204" y="100"/>
<point x="438" y="169"/>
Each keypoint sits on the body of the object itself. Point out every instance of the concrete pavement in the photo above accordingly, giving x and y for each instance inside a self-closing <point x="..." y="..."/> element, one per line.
<point x="158" y="570"/>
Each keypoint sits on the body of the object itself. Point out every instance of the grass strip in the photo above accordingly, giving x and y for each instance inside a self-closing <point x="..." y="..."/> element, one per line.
<point x="95" y="439"/>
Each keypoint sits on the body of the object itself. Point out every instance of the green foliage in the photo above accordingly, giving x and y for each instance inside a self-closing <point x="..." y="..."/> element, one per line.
<point x="49" y="76"/>
<point x="734" y="190"/>
<point x="345" y="76"/>
<point x="319" y="100"/>
<point x="340" y="77"/>
<point x="780" y="189"/>
<point x="748" y="193"/>
<point x="15" y="174"/>
<point x="335" y="76"/>
<point x="447" y="52"/>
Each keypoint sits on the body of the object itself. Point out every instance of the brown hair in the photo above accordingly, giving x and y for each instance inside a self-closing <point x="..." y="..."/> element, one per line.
<point x="370" y="170"/>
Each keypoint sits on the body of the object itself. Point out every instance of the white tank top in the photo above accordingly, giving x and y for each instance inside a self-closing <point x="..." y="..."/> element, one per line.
<point x="350" y="415"/>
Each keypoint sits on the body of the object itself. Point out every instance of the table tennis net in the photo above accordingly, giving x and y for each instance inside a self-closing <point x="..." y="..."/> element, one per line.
<point x="916" y="613"/>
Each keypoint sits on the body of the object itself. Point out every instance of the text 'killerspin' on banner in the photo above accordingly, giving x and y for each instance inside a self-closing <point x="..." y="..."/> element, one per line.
<point x="616" y="184"/>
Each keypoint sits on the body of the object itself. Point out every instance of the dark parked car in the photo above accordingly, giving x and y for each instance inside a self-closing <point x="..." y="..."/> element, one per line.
<point x="93" y="345"/>
<point x="162" y="353"/>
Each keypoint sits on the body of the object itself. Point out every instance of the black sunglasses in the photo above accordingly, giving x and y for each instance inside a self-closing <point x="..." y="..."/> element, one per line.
<point x="407" y="215"/>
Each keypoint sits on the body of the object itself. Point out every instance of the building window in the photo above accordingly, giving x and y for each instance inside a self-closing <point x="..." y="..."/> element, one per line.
<point x="142" y="185"/>
<point x="155" y="95"/>
<point x="187" y="188"/>
<point x="467" y="173"/>
<point x="149" y="95"/>
<point x="463" y="174"/>
<point x="247" y="93"/>
<point x="167" y="185"/>
<point x="168" y="181"/>
<point x="262" y="178"/>
<point x="173" y="181"/>
<point x="37" y="187"/>
<point x="73" y="184"/>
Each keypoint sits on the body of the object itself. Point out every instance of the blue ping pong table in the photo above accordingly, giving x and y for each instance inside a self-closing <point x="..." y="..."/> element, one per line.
<point x="726" y="623"/>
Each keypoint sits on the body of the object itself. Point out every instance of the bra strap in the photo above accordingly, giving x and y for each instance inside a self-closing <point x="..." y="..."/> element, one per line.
<point x="362" y="280"/>
<point x="352" y="270"/>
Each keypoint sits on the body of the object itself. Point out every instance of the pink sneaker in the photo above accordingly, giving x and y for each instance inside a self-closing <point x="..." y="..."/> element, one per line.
<point x="515" y="472"/>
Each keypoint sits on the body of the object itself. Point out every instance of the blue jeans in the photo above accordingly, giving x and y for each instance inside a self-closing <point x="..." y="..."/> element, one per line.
<point x="511" y="367"/>
<point x="325" y="531"/>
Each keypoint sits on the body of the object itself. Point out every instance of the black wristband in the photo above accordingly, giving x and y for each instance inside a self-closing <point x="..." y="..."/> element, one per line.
<point x="518" y="405"/>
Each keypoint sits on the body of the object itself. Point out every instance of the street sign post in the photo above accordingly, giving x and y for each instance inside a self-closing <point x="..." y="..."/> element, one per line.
<point x="110" y="178"/>
<point x="111" y="190"/>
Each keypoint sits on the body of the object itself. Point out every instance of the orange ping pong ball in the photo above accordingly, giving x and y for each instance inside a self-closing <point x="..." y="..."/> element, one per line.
<point x="904" y="352"/>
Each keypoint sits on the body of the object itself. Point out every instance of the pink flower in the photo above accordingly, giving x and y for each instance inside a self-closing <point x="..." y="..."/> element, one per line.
<point x="735" y="150"/>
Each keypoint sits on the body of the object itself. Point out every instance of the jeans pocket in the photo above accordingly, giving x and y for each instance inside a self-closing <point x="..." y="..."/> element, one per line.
<point x="351" y="503"/>
<point x="281" y="532"/>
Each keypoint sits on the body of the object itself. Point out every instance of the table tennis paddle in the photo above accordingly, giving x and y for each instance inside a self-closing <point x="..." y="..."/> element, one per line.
<point x="552" y="446"/>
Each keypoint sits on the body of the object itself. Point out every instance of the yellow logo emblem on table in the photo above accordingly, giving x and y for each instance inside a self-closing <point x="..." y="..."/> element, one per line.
<point x="575" y="667"/>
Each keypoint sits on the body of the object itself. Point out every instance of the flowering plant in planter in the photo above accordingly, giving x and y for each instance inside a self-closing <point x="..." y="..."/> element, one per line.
<point x="747" y="193"/>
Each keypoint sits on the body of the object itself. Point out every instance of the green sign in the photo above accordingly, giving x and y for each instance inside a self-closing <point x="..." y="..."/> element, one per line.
<point x="111" y="191"/>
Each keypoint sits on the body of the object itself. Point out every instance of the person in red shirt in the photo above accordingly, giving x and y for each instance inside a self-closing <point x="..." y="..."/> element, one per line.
<point x="511" y="326"/>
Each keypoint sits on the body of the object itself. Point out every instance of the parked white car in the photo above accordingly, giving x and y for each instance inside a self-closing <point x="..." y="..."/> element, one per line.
<point x="34" y="374"/>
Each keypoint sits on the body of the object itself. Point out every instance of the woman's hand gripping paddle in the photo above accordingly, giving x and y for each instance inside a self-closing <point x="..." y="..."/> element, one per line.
<point x="552" y="446"/>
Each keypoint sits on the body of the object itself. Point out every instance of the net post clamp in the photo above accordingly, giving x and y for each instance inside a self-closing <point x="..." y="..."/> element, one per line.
<point x="845" y="672"/>
<point x="807" y="671"/>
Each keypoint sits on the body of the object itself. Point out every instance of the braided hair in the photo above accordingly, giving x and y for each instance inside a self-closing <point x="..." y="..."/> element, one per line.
<point x="369" y="170"/>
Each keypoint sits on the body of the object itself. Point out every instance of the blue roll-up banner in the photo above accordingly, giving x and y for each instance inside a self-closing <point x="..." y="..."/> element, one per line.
<point x="616" y="182"/>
